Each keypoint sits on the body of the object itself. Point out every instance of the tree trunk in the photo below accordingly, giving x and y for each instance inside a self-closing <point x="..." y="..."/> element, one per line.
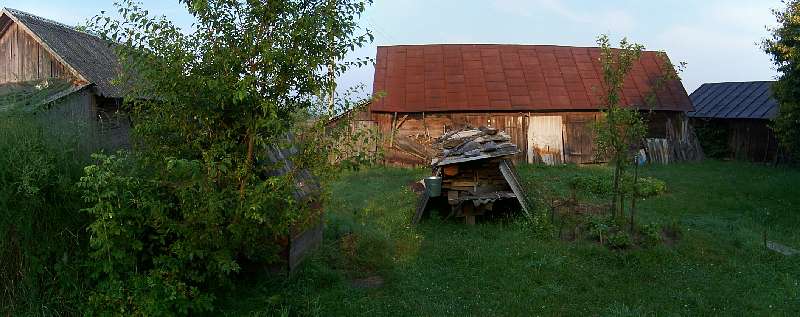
<point x="615" y="190"/>
<point x="635" y="194"/>
<point x="248" y="163"/>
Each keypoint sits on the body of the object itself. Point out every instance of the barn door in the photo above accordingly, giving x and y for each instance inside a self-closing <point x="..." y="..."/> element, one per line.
<point x="578" y="139"/>
<point x="545" y="141"/>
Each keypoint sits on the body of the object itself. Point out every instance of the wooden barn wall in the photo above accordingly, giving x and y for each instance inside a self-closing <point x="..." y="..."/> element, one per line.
<point x="409" y="145"/>
<point x="752" y="140"/>
<point x="24" y="59"/>
<point x="96" y="122"/>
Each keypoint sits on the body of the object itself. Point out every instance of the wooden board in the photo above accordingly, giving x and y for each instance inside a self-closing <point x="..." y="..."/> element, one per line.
<point x="422" y="204"/>
<point x="512" y="178"/>
<point x="303" y="243"/>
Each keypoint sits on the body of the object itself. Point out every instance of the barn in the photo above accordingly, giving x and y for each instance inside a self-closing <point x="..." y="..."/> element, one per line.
<point x="47" y="63"/>
<point x="732" y="120"/>
<point x="545" y="97"/>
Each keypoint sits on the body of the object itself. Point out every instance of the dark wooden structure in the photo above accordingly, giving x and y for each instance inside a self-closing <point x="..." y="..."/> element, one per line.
<point x="35" y="51"/>
<point x="478" y="177"/>
<point x="737" y="115"/>
<point x="545" y="97"/>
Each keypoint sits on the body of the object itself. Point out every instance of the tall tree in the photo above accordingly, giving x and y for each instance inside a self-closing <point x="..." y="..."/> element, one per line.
<point x="784" y="48"/>
<point x="195" y="200"/>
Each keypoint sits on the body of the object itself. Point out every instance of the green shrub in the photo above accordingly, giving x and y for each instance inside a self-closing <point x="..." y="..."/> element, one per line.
<point x="620" y="240"/>
<point x="164" y="237"/>
<point x="651" y="234"/>
<point x="600" y="227"/>
<point x="649" y="187"/>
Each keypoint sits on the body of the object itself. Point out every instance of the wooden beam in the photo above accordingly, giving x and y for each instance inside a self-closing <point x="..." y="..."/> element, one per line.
<point x="391" y="137"/>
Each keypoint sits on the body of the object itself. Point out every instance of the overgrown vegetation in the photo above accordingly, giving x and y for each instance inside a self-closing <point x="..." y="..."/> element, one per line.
<point x="43" y="239"/>
<point x="196" y="201"/>
<point x="783" y="48"/>
<point x="712" y="212"/>
<point x="713" y="137"/>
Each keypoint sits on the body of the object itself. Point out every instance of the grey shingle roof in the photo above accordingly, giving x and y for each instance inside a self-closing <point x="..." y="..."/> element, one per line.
<point x="89" y="55"/>
<point x="734" y="100"/>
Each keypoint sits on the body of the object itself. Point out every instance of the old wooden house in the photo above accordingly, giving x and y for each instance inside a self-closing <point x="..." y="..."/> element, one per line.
<point x="37" y="55"/>
<point x="733" y="120"/>
<point x="545" y="97"/>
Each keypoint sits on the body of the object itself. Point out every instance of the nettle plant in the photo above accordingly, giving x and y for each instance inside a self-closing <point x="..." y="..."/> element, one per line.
<point x="176" y="218"/>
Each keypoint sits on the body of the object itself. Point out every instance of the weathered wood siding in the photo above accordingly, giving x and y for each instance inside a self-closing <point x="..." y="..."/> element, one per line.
<point x="419" y="129"/>
<point x="407" y="135"/>
<point x="752" y="140"/>
<point x="23" y="59"/>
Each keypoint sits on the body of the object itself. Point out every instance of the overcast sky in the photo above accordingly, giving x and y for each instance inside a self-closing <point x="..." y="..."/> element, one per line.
<point x="716" y="38"/>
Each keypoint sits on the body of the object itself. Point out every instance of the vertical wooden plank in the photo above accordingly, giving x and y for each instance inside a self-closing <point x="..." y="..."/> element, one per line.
<point x="22" y="54"/>
<point x="34" y="61"/>
<point x="5" y="57"/>
<point x="44" y="63"/>
<point x="15" y="63"/>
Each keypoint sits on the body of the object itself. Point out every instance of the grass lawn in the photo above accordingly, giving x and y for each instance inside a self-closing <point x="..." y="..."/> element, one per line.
<point x="717" y="267"/>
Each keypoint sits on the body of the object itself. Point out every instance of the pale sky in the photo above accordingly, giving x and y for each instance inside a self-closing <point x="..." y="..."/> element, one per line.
<point x="716" y="38"/>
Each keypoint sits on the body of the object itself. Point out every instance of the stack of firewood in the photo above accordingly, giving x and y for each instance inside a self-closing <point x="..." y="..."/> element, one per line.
<point x="472" y="144"/>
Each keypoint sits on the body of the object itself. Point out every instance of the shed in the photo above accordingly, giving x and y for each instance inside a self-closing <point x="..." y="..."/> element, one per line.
<point x="37" y="52"/>
<point x="732" y="120"/>
<point x="477" y="177"/>
<point x="545" y="97"/>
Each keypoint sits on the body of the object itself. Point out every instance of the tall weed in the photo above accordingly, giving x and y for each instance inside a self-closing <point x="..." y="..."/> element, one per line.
<point x="42" y="234"/>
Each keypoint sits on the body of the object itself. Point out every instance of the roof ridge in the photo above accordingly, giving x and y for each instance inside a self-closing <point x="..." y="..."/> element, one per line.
<point x="739" y="82"/>
<point x="508" y="44"/>
<point x="46" y="20"/>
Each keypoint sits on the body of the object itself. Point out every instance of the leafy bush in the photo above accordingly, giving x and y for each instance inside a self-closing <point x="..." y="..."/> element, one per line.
<point x="620" y="240"/>
<point x="198" y="199"/>
<point x="163" y="236"/>
<point x="651" y="234"/>
<point x="600" y="227"/>
<point x="648" y="187"/>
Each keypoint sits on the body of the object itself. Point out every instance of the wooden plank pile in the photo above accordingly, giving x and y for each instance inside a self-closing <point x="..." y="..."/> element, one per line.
<point x="477" y="174"/>
<point x="472" y="144"/>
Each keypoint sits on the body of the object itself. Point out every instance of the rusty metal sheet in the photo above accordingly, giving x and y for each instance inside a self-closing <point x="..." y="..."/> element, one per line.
<point x="545" y="140"/>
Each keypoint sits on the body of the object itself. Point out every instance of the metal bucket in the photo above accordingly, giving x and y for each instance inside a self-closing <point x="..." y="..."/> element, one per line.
<point x="433" y="186"/>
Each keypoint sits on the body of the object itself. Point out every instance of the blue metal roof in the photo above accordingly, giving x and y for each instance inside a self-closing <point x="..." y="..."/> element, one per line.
<point x="739" y="100"/>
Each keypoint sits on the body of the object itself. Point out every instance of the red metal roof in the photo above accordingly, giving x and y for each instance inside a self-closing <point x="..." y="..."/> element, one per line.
<point x="430" y="78"/>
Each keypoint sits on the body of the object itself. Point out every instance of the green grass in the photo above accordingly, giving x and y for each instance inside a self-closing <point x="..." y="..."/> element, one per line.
<point x="718" y="267"/>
